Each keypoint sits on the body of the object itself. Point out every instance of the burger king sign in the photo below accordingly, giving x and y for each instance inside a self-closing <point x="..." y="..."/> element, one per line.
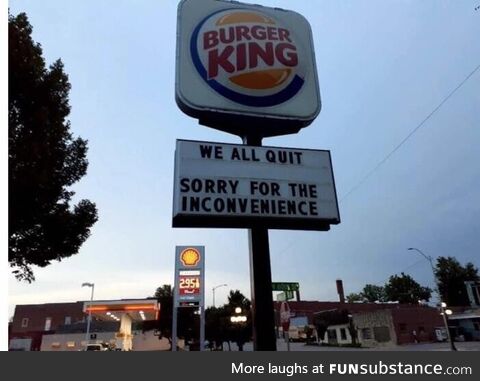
<point x="245" y="69"/>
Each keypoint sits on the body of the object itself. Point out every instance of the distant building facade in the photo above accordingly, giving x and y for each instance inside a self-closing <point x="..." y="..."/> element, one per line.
<point x="63" y="326"/>
<point x="32" y="321"/>
<point x="372" y="324"/>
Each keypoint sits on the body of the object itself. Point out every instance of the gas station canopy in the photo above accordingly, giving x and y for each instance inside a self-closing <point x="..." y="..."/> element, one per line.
<point x="112" y="310"/>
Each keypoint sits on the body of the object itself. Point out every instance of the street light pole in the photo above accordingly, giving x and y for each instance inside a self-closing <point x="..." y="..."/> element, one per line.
<point x="446" y="312"/>
<point x="237" y="321"/>
<point x="87" y="334"/>
<point x="213" y="291"/>
<point x="442" y="304"/>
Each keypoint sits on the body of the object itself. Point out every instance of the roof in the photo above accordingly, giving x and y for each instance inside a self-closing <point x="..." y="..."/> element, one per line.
<point x="319" y="306"/>
<point x="311" y="308"/>
<point x="464" y="316"/>
<point x="137" y="309"/>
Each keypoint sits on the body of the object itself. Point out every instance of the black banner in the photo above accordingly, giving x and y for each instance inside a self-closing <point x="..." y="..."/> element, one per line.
<point x="244" y="366"/>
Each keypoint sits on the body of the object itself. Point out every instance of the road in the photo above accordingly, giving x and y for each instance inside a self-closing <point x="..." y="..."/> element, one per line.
<point x="298" y="347"/>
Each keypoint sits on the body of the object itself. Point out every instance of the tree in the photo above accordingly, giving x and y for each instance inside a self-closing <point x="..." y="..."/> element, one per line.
<point x="451" y="276"/>
<point x="405" y="289"/>
<point x="164" y="292"/>
<point x="44" y="159"/>
<point x="374" y="293"/>
<point x="237" y="299"/>
<point x="164" y="295"/>
<point x="370" y="293"/>
<point x="354" y="297"/>
<point x="187" y="321"/>
<point x="216" y="326"/>
<point x="239" y="333"/>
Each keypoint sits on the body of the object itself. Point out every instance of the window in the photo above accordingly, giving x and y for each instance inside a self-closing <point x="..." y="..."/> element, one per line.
<point x="56" y="345"/>
<point x="70" y="344"/>
<point x="366" y="333"/>
<point x="476" y="294"/>
<point x="48" y="323"/>
<point x="332" y="334"/>
<point x="343" y="334"/>
<point x="24" y="322"/>
<point x="381" y="334"/>
<point x="68" y="320"/>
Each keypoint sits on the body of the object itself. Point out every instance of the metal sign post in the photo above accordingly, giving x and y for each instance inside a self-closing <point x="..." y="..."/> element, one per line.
<point x="285" y="320"/>
<point x="259" y="82"/>
<point x="263" y="317"/>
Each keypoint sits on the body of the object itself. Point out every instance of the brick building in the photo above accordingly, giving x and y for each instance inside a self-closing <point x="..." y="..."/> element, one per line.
<point x="32" y="321"/>
<point x="63" y="326"/>
<point x="405" y="324"/>
<point x="375" y="324"/>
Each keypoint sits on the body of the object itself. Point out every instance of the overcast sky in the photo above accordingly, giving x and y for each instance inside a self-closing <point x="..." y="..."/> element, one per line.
<point x="383" y="67"/>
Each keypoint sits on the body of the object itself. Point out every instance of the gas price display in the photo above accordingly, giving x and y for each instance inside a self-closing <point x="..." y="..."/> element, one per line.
<point x="189" y="285"/>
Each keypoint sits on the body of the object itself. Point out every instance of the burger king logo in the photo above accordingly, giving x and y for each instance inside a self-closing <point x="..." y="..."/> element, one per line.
<point x="248" y="57"/>
<point x="190" y="257"/>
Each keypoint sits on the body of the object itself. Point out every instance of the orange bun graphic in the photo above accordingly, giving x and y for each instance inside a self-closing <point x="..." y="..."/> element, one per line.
<point x="248" y="57"/>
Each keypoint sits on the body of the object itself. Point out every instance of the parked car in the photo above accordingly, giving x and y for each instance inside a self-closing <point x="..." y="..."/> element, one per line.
<point x="97" y="347"/>
<point x="441" y="334"/>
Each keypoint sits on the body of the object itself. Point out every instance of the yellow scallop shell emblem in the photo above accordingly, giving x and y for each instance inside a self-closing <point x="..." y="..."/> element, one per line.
<point x="190" y="257"/>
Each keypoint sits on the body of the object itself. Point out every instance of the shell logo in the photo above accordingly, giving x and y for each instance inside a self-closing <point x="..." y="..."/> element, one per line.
<point x="248" y="57"/>
<point x="190" y="257"/>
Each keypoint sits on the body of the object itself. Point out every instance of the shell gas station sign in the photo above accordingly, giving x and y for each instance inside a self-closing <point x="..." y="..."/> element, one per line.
<point x="189" y="290"/>
<point x="189" y="276"/>
<point x="239" y="63"/>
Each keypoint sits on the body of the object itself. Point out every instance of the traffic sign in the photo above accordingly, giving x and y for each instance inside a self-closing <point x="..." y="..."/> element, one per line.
<point x="285" y="286"/>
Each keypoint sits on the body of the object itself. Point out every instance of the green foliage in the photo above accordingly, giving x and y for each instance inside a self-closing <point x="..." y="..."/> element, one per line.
<point x="43" y="159"/>
<point x="237" y="299"/>
<point x="354" y="297"/>
<point x="187" y="321"/>
<point x="239" y="333"/>
<point x="405" y="289"/>
<point x="164" y="295"/>
<point x="164" y="292"/>
<point x="374" y="293"/>
<point x="218" y="327"/>
<point x="451" y="276"/>
<point x="370" y="293"/>
<point x="217" y="323"/>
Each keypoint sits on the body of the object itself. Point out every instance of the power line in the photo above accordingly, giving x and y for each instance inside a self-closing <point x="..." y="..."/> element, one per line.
<point x="365" y="178"/>
<point x="405" y="269"/>
<point x="371" y="172"/>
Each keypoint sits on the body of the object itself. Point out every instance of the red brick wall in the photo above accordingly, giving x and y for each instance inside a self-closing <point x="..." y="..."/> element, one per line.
<point x="37" y="314"/>
<point x="309" y="308"/>
<point x="407" y="320"/>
